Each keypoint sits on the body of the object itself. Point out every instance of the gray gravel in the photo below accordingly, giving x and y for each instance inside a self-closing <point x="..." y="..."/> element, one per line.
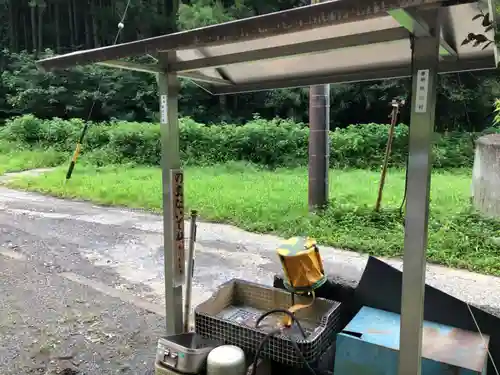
<point x="49" y="325"/>
<point x="122" y="248"/>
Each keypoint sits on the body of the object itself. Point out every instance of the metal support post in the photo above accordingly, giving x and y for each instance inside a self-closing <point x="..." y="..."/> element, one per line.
<point x="319" y="145"/>
<point x="423" y="107"/>
<point x="173" y="197"/>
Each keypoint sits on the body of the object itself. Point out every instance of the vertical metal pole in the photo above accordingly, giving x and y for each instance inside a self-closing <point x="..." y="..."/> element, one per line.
<point x="319" y="144"/>
<point x="173" y="204"/>
<point x="190" y="271"/>
<point x="426" y="55"/>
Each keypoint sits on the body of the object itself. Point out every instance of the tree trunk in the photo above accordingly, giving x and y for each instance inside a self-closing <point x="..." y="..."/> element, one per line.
<point x="41" y="10"/>
<point x="93" y="15"/>
<point x="223" y="103"/>
<point x="71" y="28"/>
<point x="87" y="29"/>
<point x="57" y="16"/>
<point x="25" y="28"/>
<point x="171" y="11"/>
<point x="159" y="6"/>
<point x="75" y="24"/>
<point x="33" y="27"/>
<point x="11" y="26"/>
<point x="486" y="175"/>
<point x="102" y="33"/>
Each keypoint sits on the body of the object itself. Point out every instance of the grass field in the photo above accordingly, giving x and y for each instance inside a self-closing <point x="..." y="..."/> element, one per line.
<point x="276" y="202"/>
<point x="14" y="158"/>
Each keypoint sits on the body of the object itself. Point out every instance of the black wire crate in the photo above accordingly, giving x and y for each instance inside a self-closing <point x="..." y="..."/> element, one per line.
<point x="230" y="316"/>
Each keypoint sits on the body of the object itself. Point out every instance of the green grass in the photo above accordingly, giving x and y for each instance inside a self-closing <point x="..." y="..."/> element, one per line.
<point x="14" y="158"/>
<point x="276" y="202"/>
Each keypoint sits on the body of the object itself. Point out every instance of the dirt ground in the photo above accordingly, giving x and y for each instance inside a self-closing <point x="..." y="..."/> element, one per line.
<point x="52" y="325"/>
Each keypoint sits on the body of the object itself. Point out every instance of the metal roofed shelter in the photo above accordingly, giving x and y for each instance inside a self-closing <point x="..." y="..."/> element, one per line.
<point x="330" y="42"/>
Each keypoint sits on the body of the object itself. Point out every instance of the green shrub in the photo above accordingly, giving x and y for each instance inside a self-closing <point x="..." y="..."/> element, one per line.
<point x="268" y="143"/>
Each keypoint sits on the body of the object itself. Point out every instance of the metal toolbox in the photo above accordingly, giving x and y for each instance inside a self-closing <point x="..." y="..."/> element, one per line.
<point x="185" y="353"/>
<point x="230" y="316"/>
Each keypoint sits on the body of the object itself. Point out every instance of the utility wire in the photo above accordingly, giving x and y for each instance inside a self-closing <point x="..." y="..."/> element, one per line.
<point x="78" y="147"/>
<point x="482" y="338"/>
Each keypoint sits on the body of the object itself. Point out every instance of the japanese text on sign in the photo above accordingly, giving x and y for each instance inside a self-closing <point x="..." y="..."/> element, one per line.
<point x="178" y="223"/>
<point x="422" y="92"/>
<point x="163" y="109"/>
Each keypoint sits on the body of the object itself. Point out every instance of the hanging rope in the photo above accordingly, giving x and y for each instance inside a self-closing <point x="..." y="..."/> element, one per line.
<point x="78" y="147"/>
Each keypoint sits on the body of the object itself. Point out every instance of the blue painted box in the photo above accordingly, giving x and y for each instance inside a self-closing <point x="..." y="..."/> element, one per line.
<point x="369" y="345"/>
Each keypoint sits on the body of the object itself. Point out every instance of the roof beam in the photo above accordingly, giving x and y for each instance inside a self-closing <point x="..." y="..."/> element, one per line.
<point x="362" y="39"/>
<point x="154" y="69"/>
<point x="388" y="72"/>
<point x="417" y="26"/>
<point x="199" y="77"/>
<point x="144" y="68"/>
<point x="288" y="21"/>
<point x="222" y="74"/>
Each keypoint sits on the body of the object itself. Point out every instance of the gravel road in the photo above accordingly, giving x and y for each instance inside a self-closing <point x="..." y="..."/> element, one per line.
<point x="51" y="325"/>
<point x="111" y="259"/>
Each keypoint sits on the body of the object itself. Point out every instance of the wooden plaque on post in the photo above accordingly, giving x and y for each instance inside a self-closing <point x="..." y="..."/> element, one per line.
<point x="177" y="178"/>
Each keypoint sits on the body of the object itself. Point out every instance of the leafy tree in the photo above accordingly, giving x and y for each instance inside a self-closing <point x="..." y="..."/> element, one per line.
<point x="30" y="29"/>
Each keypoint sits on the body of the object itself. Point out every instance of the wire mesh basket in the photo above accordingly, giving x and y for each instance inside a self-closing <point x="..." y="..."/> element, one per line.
<point x="232" y="311"/>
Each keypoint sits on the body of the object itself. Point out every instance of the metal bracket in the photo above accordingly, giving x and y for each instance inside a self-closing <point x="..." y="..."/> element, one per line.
<point x="144" y="68"/>
<point x="155" y="69"/>
<point x="416" y="25"/>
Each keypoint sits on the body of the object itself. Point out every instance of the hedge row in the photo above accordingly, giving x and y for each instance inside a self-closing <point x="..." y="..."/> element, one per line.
<point x="270" y="143"/>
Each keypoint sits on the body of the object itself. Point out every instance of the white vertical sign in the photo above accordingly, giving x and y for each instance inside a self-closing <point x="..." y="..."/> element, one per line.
<point x="163" y="109"/>
<point x="422" y="91"/>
